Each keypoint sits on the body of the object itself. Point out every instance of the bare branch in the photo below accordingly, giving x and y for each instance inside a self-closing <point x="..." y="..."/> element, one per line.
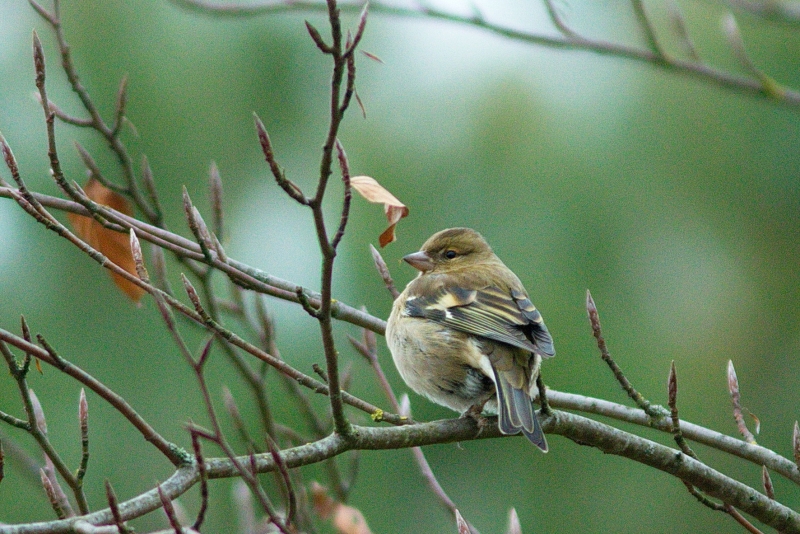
<point x="203" y="475"/>
<point x="119" y="404"/>
<point x="567" y="41"/>
<point x="317" y="38"/>
<point x="277" y="172"/>
<point x="594" y="318"/>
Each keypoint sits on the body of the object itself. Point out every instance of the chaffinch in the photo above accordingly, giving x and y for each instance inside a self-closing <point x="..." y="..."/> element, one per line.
<point x="465" y="334"/>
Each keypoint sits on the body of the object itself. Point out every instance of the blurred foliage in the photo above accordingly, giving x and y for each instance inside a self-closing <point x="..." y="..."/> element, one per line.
<point x="675" y="201"/>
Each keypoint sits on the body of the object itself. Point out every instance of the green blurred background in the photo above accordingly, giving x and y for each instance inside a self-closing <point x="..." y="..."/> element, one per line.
<point x="675" y="201"/>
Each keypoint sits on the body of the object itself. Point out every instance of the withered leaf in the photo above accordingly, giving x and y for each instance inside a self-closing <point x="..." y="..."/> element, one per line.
<point x="395" y="210"/>
<point x="113" y="245"/>
<point x="346" y="519"/>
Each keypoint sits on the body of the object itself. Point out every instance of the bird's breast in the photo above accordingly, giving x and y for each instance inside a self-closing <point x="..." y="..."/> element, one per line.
<point x="443" y="364"/>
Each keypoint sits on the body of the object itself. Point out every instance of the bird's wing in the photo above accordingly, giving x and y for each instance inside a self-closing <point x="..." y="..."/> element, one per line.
<point x="507" y="317"/>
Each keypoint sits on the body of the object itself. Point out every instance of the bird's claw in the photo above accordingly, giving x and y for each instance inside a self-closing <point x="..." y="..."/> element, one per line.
<point x="474" y="412"/>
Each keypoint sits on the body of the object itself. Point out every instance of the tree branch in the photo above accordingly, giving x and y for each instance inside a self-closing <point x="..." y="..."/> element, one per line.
<point x="579" y="429"/>
<point x="567" y="41"/>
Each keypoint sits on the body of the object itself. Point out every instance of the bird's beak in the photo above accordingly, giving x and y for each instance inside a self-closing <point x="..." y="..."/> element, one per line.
<point x="420" y="261"/>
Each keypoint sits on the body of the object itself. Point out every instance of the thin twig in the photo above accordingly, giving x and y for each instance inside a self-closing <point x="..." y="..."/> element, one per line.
<point x="594" y="318"/>
<point x="672" y="388"/>
<point x="571" y="426"/>
<point x="368" y="349"/>
<point x="748" y="526"/>
<point x="649" y="30"/>
<point x="558" y="21"/>
<point x="37" y="428"/>
<point x="679" y="24"/>
<point x="345" y="168"/>
<point x="172" y="452"/>
<point x="289" y="187"/>
<point x="238" y="422"/>
<point x="770" y="87"/>
<point x="109" y="133"/>
<point x="567" y="41"/>
<point x="283" y="470"/>
<point x="383" y="270"/>
<point x="238" y="272"/>
<point x="201" y="469"/>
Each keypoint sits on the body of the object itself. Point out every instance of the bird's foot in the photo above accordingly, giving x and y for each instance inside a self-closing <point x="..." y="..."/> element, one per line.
<point x="474" y="412"/>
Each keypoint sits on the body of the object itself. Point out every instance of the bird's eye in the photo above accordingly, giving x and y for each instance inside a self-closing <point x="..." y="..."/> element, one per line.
<point x="450" y="254"/>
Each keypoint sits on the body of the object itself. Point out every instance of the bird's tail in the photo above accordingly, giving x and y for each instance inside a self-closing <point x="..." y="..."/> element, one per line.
<point x="515" y="412"/>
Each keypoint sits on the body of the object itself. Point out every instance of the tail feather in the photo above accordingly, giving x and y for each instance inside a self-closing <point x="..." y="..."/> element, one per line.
<point x="536" y="436"/>
<point x="515" y="412"/>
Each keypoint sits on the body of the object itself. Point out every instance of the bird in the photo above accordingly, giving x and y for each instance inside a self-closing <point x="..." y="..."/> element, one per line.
<point x="465" y="334"/>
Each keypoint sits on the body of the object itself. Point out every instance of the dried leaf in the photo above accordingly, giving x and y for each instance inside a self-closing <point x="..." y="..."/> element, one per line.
<point x="346" y="519"/>
<point x="323" y="503"/>
<point x="113" y="245"/>
<point x="756" y="422"/>
<point x="395" y="210"/>
<point x="349" y="520"/>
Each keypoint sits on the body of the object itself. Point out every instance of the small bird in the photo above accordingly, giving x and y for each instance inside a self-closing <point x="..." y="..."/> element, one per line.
<point x="465" y="334"/>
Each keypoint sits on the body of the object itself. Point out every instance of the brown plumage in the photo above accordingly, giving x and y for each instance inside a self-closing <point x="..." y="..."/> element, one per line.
<point x="464" y="333"/>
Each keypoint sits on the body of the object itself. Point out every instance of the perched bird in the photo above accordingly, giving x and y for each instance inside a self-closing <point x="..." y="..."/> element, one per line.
<point x="465" y="334"/>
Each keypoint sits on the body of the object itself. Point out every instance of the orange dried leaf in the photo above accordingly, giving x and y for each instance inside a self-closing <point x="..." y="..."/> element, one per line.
<point x="349" y="520"/>
<point x="756" y="421"/>
<point x="113" y="245"/>
<point x="323" y="503"/>
<point x="395" y="210"/>
<point x="346" y="519"/>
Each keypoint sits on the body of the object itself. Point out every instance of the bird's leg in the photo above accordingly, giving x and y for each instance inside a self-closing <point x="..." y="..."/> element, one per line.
<point x="475" y="412"/>
<point x="542" y="395"/>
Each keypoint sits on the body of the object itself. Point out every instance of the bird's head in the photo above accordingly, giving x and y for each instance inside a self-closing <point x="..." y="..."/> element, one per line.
<point x="451" y="250"/>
